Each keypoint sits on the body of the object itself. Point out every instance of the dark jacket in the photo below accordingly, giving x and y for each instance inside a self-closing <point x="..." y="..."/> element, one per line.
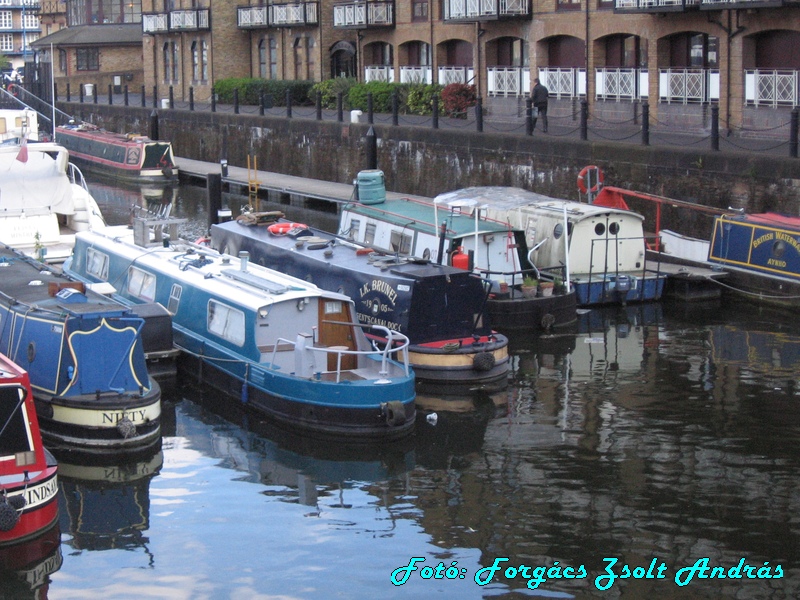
<point x="539" y="95"/>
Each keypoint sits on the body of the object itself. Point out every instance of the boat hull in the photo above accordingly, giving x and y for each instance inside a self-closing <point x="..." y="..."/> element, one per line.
<point x="515" y="314"/>
<point x="103" y="422"/>
<point x="308" y="407"/>
<point x="619" y="288"/>
<point x="41" y="505"/>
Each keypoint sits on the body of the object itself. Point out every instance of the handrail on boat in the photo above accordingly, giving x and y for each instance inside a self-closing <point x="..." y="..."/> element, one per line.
<point x="396" y="342"/>
<point x="76" y="176"/>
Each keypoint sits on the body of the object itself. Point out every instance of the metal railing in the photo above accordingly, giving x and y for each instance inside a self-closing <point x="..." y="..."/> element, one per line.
<point x="686" y="86"/>
<point x="621" y="83"/>
<point x="771" y="88"/>
<point x="564" y="83"/>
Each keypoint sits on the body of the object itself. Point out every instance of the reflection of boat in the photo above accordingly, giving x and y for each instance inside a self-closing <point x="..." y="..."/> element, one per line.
<point x="26" y="567"/>
<point x="441" y="309"/>
<point x="457" y="231"/>
<point x="106" y="504"/>
<point x="28" y="472"/>
<point x="84" y="355"/>
<point x="602" y="248"/>
<point x="277" y="344"/>
<point x="129" y="156"/>
<point x="44" y="201"/>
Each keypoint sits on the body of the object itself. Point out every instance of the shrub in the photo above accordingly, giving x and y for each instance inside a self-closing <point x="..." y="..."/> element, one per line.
<point x="250" y="90"/>
<point x="457" y="98"/>
<point x="331" y="88"/>
<point x="381" y="96"/>
<point x="420" y="98"/>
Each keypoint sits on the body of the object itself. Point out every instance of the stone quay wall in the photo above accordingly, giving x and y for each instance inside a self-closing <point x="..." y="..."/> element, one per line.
<point x="426" y="161"/>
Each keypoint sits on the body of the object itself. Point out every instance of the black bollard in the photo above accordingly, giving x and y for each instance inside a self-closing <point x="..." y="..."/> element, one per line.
<point x="144" y="98"/>
<point x="236" y="101"/>
<point x="715" y="127"/>
<point x="127" y="98"/>
<point x="793" y="124"/>
<point x="371" y="149"/>
<point x="110" y="94"/>
<point x="528" y="116"/>
<point x="191" y="98"/>
<point x="318" y="104"/>
<point x="645" y="124"/>
<point x="213" y="197"/>
<point x="395" y="109"/>
<point x="155" y="96"/>
<point x="69" y="94"/>
<point x="479" y="115"/>
<point x="584" y="120"/>
<point x="288" y="104"/>
<point x="435" y="108"/>
<point x="339" y="107"/>
<point x="154" y="125"/>
<point x="370" y="115"/>
<point x="171" y="97"/>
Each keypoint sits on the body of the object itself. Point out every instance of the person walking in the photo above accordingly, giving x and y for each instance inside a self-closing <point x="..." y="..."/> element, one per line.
<point x="539" y="101"/>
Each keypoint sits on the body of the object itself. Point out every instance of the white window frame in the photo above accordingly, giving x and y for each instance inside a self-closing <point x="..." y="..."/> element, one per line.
<point x="226" y="322"/>
<point x="141" y="284"/>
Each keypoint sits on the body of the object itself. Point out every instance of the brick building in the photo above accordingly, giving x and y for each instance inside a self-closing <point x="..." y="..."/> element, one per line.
<point x="681" y="57"/>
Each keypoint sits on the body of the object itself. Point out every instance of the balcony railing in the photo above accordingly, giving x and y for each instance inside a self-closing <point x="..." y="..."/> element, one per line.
<point x="410" y="74"/>
<point x="466" y="10"/>
<point x="251" y="17"/>
<point x="297" y="13"/>
<point x="189" y="20"/>
<point x="655" y="5"/>
<point x="363" y="14"/>
<point x="564" y="82"/>
<point x="771" y="88"/>
<point x="176" y="20"/>
<point x="378" y="73"/>
<point x="687" y="86"/>
<point x="621" y="84"/>
<point x="509" y="81"/>
<point x="746" y="4"/>
<point x="448" y="75"/>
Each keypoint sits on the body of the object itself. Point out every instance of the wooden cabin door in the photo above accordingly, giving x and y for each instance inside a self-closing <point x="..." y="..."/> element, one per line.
<point x="336" y="329"/>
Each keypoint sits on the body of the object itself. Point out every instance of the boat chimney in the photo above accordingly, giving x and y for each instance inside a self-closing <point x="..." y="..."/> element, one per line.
<point x="243" y="258"/>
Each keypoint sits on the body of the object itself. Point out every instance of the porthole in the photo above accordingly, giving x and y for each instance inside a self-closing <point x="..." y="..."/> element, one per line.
<point x="558" y="230"/>
<point x="778" y="248"/>
<point x="600" y="229"/>
<point x="31" y="352"/>
<point x="613" y="229"/>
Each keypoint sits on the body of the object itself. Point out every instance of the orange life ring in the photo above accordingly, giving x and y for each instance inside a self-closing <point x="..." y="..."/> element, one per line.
<point x="12" y="89"/>
<point x="599" y="179"/>
<point x="284" y="227"/>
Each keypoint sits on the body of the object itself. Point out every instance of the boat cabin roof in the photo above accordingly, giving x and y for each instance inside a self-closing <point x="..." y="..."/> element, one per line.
<point x="770" y="219"/>
<point x="501" y="200"/>
<point x="422" y="216"/>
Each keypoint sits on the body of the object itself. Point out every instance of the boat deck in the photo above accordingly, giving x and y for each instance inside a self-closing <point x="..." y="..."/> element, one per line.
<point x="690" y="282"/>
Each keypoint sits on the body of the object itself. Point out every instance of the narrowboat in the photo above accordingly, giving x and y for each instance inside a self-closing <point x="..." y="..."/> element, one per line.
<point x="759" y="253"/>
<point x="44" y="200"/>
<point x="277" y="345"/>
<point x="442" y="310"/>
<point x="458" y="232"/>
<point x="123" y="156"/>
<point x="602" y="248"/>
<point x="28" y="472"/>
<point x="84" y="355"/>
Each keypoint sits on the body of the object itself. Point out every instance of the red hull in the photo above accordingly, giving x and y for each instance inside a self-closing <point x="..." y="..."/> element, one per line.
<point x="33" y="521"/>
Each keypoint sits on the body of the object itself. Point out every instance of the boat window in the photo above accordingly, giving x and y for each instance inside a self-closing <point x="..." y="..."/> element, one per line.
<point x="3" y="128"/>
<point x="613" y="228"/>
<point x="15" y="435"/>
<point x="369" y="233"/>
<point x="558" y="230"/>
<point x="600" y="228"/>
<point x="97" y="264"/>
<point x="333" y="307"/>
<point x="401" y="242"/>
<point x="174" y="298"/>
<point x="352" y="233"/>
<point x="226" y="322"/>
<point x="141" y="284"/>
<point x="778" y="248"/>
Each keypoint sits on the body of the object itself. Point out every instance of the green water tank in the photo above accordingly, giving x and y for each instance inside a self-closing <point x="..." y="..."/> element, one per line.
<point x="371" y="186"/>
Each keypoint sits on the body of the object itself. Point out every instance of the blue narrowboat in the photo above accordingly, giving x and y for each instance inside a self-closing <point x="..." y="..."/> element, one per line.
<point x="280" y="346"/>
<point x="441" y="309"/>
<point x="85" y="358"/>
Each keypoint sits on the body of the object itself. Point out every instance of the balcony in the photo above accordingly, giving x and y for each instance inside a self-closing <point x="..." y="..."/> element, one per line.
<point x="295" y="14"/>
<point x="688" y="86"/>
<point x="409" y="74"/>
<point x="771" y="88"/>
<point x="361" y="15"/>
<point x="621" y="84"/>
<point x="378" y="73"/>
<point x="486" y="10"/>
<point x="176" y="21"/>
<point x="509" y="81"/>
<point x="655" y="6"/>
<point x="564" y="83"/>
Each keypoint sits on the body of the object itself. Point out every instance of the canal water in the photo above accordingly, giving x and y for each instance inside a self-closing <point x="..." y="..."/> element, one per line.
<point x="650" y="452"/>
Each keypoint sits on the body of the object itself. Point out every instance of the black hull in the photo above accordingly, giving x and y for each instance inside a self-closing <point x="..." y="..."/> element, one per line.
<point x="336" y="423"/>
<point x="514" y="315"/>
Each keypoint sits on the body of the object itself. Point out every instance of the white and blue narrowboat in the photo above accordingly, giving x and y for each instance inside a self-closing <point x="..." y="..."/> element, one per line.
<point x="603" y="249"/>
<point x="442" y="310"/>
<point x="458" y="232"/>
<point x="280" y="346"/>
<point x="85" y="358"/>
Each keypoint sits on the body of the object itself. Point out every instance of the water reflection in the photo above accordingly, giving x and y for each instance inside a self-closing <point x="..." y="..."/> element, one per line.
<point x="26" y="567"/>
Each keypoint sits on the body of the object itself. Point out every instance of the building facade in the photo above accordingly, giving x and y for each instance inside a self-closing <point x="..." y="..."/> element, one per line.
<point x="680" y="57"/>
<point x="19" y="27"/>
